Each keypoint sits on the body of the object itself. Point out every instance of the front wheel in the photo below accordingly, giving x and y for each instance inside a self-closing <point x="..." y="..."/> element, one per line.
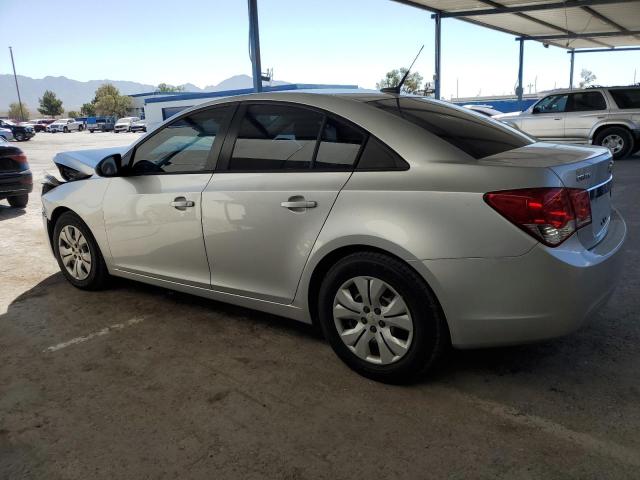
<point x="18" y="201"/>
<point x="19" y="137"/>
<point x="617" y="139"/>
<point x="381" y="318"/>
<point x="78" y="254"/>
<point x="65" y="130"/>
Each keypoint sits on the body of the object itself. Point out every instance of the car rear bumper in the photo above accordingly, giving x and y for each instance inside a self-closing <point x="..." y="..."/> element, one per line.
<point x="546" y="293"/>
<point x="18" y="183"/>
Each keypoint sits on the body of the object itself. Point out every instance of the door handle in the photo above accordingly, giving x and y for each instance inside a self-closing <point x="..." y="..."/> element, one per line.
<point x="300" y="204"/>
<point x="557" y="119"/>
<point x="181" y="203"/>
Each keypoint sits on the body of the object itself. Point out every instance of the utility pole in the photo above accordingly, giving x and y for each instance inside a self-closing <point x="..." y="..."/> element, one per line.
<point x="15" y="77"/>
<point x="254" y="45"/>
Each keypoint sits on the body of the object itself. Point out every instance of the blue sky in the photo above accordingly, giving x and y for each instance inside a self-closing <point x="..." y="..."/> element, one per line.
<point x="310" y="41"/>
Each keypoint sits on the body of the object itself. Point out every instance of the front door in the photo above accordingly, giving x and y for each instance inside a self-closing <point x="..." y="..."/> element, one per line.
<point x="153" y="215"/>
<point x="546" y="121"/>
<point x="281" y="170"/>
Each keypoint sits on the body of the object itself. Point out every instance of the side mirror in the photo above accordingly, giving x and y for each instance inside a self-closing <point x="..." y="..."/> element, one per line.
<point x="110" y="166"/>
<point x="535" y="110"/>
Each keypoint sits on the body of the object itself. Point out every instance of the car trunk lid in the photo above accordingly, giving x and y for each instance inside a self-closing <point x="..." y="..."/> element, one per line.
<point x="588" y="168"/>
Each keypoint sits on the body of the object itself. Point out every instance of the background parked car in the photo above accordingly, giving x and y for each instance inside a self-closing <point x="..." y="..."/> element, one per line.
<point x="124" y="124"/>
<point x="487" y="110"/>
<point x="101" y="124"/>
<point x="20" y="132"/>
<point x="139" y="126"/>
<point x="607" y="116"/>
<point x="40" y="124"/>
<point x="16" y="181"/>
<point x="6" y="134"/>
<point x="64" y="125"/>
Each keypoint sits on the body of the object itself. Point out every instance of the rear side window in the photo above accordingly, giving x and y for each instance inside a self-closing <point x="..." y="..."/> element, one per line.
<point x="626" y="97"/>
<point x="586" y="101"/>
<point x="339" y="146"/>
<point x="377" y="156"/>
<point x="276" y="137"/>
<point x="471" y="133"/>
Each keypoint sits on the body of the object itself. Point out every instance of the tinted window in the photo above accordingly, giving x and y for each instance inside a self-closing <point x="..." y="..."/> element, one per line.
<point x="470" y="133"/>
<point x="551" y="104"/>
<point x="339" y="146"/>
<point x="626" y="97"/>
<point x="377" y="156"/>
<point x="182" y="146"/>
<point x="586" y="101"/>
<point x="276" y="137"/>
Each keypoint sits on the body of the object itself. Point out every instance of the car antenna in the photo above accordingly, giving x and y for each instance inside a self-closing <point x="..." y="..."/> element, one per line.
<point x="397" y="88"/>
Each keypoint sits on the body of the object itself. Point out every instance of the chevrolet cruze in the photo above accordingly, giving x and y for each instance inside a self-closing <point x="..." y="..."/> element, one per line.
<point x="399" y="225"/>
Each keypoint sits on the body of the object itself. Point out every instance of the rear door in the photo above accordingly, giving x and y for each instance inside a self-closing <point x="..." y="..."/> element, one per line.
<point x="153" y="215"/>
<point x="546" y="121"/>
<point x="281" y="169"/>
<point x="584" y="110"/>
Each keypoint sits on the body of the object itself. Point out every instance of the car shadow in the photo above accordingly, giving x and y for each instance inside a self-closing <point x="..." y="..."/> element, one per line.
<point x="7" y="212"/>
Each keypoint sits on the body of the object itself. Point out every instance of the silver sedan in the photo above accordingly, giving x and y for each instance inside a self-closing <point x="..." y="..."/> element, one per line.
<point x="399" y="225"/>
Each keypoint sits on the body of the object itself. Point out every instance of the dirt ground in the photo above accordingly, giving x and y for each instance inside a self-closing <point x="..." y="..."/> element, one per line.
<point x="139" y="382"/>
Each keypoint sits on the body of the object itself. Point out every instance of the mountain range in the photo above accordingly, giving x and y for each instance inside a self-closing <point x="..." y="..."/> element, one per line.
<point x="74" y="93"/>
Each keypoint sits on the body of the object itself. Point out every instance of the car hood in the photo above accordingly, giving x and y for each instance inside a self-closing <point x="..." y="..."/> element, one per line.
<point x="85" y="161"/>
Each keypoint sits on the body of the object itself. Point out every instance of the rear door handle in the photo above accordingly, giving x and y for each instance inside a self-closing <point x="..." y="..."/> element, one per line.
<point x="300" y="204"/>
<point x="181" y="203"/>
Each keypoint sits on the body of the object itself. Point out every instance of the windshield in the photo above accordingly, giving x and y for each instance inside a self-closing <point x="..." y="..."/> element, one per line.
<point x="477" y="136"/>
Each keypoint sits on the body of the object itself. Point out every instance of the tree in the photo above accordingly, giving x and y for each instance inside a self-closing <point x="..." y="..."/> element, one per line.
<point x="73" y="114"/>
<point x="587" y="77"/>
<point x="16" y="113"/>
<point x="88" y="110"/>
<point x="413" y="84"/>
<point x="50" y="104"/>
<point x="165" y="87"/>
<point x="108" y="101"/>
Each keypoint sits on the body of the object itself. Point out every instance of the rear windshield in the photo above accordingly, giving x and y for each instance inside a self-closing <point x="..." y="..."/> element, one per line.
<point x="626" y="97"/>
<point x="474" y="135"/>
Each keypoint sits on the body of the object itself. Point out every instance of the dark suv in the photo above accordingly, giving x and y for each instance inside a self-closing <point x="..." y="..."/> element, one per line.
<point x="20" y="132"/>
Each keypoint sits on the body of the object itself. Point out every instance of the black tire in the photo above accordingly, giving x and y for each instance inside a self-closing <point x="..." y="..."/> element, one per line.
<point x="90" y="131"/>
<point x="623" y="133"/>
<point x="98" y="275"/>
<point x="19" y="137"/>
<point x="18" y="201"/>
<point x="65" y="130"/>
<point x="636" y="147"/>
<point x="430" y="332"/>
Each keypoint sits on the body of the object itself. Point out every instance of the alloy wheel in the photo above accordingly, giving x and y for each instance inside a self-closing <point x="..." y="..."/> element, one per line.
<point x="373" y="320"/>
<point x="74" y="252"/>
<point x="615" y="143"/>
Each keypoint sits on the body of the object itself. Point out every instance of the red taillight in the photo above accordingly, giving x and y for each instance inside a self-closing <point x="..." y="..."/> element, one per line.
<point x="551" y="215"/>
<point x="19" y="158"/>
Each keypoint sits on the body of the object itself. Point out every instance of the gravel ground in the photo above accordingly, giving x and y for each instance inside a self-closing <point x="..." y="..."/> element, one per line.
<point x="159" y="384"/>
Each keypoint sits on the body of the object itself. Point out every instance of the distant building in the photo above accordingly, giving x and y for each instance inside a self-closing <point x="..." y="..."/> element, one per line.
<point x="138" y="99"/>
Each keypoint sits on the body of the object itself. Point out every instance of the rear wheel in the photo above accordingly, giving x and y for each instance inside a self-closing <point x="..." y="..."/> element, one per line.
<point x="18" y="201"/>
<point x="19" y="137"/>
<point x="617" y="139"/>
<point x="65" y="130"/>
<point x="381" y="318"/>
<point x="78" y="254"/>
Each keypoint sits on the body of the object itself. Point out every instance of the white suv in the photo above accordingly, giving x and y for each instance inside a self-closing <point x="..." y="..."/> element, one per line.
<point x="64" y="125"/>
<point x="124" y="124"/>
<point x="607" y="116"/>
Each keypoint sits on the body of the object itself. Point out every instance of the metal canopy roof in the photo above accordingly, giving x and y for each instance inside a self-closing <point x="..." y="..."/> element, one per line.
<point x="569" y="24"/>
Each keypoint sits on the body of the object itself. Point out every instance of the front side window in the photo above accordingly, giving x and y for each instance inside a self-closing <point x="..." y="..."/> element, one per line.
<point x="473" y="134"/>
<point x="182" y="146"/>
<point x="626" y="97"/>
<point x="551" y="104"/>
<point x="586" y="101"/>
<point x="276" y="137"/>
